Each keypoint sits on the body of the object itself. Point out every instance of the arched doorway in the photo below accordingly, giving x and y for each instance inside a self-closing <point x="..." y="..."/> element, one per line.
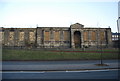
<point x="77" y="39"/>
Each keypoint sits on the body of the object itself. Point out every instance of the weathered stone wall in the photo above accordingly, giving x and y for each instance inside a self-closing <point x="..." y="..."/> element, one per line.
<point x="17" y="37"/>
<point x="53" y="37"/>
<point x="76" y="28"/>
<point x="96" y="37"/>
<point x="75" y="36"/>
<point x="91" y="37"/>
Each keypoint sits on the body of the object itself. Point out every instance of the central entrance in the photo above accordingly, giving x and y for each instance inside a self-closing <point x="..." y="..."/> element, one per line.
<point x="77" y="39"/>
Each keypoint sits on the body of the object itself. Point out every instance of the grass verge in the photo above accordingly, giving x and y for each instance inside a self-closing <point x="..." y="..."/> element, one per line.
<point x="37" y="55"/>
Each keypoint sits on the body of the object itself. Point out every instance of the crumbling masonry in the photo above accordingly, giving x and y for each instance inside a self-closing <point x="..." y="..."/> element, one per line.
<point x="75" y="36"/>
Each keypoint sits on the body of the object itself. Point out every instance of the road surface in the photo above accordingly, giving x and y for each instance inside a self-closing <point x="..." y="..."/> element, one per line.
<point x="87" y="74"/>
<point x="57" y="65"/>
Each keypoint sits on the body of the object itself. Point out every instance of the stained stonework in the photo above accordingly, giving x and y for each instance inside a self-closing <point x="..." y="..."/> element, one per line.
<point x="75" y="36"/>
<point x="31" y="36"/>
<point x="21" y="36"/>
<point x="11" y="36"/>
<point x="2" y="37"/>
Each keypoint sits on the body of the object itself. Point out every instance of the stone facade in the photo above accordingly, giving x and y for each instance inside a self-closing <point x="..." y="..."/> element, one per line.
<point x="75" y="36"/>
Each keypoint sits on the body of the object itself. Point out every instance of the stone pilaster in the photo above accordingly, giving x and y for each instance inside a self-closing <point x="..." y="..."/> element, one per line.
<point x="109" y="36"/>
<point x="72" y="39"/>
<point x="61" y="38"/>
<point x="40" y="37"/>
<point x="82" y="40"/>
<point x="16" y="37"/>
<point x="52" y="38"/>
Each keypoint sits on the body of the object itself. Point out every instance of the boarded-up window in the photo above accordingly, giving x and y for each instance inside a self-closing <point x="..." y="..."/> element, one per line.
<point x="21" y="36"/>
<point x="66" y="35"/>
<point x="57" y="36"/>
<point x="31" y="36"/>
<point x="93" y="37"/>
<point x="102" y="36"/>
<point x="47" y="35"/>
<point x="85" y="36"/>
<point x="11" y="36"/>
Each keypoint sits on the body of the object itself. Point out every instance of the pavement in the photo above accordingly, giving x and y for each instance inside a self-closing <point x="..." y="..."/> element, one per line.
<point x="58" y="65"/>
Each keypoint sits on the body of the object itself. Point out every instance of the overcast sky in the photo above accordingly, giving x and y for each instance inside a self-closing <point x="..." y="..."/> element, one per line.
<point x="59" y="13"/>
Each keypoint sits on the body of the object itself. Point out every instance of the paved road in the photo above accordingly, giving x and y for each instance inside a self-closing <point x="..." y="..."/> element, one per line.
<point x="57" y="65"/>
<point x="91" y="74"/>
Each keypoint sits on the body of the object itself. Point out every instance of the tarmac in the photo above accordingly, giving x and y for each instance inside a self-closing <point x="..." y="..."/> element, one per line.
<point x="59" y="65"/>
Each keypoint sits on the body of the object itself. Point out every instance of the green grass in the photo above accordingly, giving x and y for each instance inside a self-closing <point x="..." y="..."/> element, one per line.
<point x="49" y="55"/>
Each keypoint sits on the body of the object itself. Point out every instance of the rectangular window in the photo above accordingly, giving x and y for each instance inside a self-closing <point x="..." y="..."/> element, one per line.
<point x="66" y="35"/>
<point x="93" y="37"/>
<point x="102" y="36"/>
<point x="31" y="36"/>
<point x="57" y="36"/>
<point x="47" y="36"/>
<point x="21" y="36"/>
<point x="85" y="36"/>
<point x="11" y="36"/>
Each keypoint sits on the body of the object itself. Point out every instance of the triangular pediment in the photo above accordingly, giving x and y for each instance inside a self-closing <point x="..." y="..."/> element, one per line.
<point x="76" y="26"/>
